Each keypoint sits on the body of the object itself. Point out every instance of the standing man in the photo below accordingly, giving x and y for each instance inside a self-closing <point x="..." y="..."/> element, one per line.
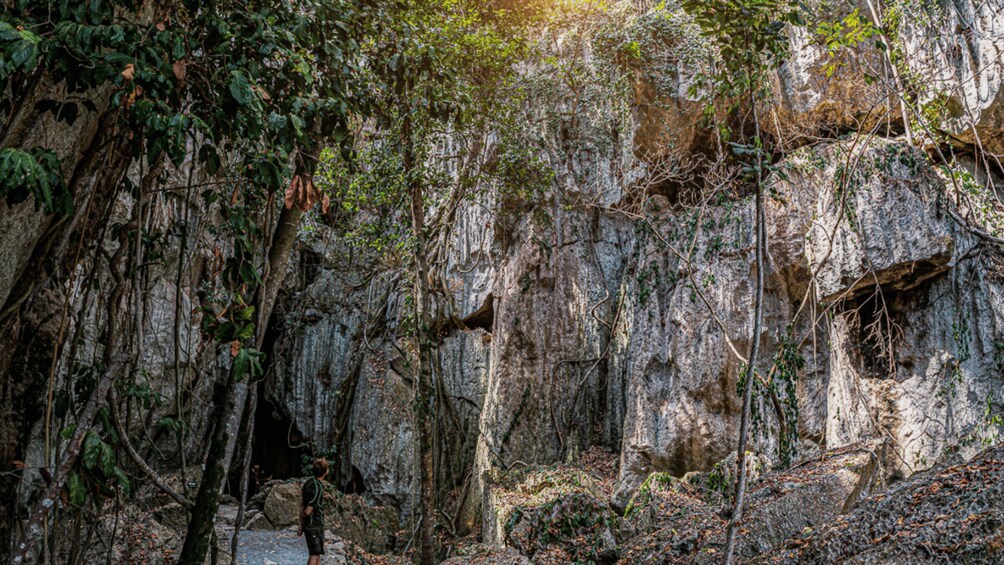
<point x="312" y="511"/>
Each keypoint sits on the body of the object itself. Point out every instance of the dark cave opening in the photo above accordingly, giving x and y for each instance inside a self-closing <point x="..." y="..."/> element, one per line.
<point x="278" y="449"/>
<point x="354" y="483"/>
<point x="483" y="317"/>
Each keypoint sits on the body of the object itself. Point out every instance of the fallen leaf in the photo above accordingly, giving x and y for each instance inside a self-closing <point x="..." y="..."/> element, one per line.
<point x="235" y="347"/>
<point x="129" y="72"/>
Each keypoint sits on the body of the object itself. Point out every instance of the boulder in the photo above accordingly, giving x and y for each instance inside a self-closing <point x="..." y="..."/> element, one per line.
<point x="556" y="511"/>
<point x="950" y="514"/>
<point x="684" y="523"/>
<point x="257" y="521"/>
<point x="806" y="497"/>
<point x="282" y="504"/>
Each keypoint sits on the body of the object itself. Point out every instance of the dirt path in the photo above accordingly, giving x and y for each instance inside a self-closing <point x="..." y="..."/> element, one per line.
<point x="283" y="547"/>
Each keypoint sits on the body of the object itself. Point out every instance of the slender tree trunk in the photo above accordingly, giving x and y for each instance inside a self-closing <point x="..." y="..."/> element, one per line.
<point x="750" y="374"/>
<point x="423" y="392"/>
<point x="278" y="257"/>
<point x="893" y="70"/>
<point x="207" y="501"/>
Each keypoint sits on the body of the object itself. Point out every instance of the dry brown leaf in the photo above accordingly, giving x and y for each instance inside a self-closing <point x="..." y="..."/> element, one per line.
<point x="289" y="200"/>
<point x="129" y="72"/>
<point x="131" y="99"/>
<point x="312" y="196"/>
<point x="180" y="69"/>
<point x="235" y="348"/>
<point x="325" y="204"/>
<point x="161" y="26"/>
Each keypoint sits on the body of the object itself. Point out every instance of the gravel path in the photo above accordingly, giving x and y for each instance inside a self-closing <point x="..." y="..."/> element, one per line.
<point x="283" y="547"/>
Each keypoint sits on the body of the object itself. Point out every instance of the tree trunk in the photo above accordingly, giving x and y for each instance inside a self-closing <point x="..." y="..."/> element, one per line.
<point x="423" y="392"/>
<point x="278" y="257"/>
<point x="761" y="244"/>
<point x="207" y="501"/>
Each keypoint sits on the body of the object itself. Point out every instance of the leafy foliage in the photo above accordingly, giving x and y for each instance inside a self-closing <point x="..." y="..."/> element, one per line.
<point x="36" y="173"/>
<point x="751" y="41"/>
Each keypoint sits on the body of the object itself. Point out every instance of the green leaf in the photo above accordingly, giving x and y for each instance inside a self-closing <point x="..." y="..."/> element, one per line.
<point x="92" y="451"/>
<point x="240" y="88"/>
<point x="122" y="479"/>
<point x="247" y="332"/>
<point x="76" y="490"/>
<point x="247" y="364"/>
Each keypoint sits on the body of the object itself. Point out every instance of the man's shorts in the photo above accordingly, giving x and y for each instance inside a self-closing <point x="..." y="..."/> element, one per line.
<point x="315" y="540"/>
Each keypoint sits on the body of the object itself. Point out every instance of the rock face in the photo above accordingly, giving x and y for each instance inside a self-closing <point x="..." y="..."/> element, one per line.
<point x="585" y="325"/>
<point x="965" y="66"/>
<point x="615" y="308"/>
<point x="598" y="331"/>
<point x="879" y="224"/>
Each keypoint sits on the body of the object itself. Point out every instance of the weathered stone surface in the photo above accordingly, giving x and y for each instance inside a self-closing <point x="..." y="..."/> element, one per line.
<point x="808" y="496"/>
<point x="678" y="366"/>
<point x="879" y="224"/>
<point x="554" y="513"/>
<point x="282" y="505"/>
<point x="20" y="228"/>
<point x="949" y="58"/>
<point x="945" y="515"/>
<point x="257" y="521"/>
<point x="677" y="523"/>
<point x="933" y="392"/>
<point x="672" y="352"/>
<point x="963" y="65"/>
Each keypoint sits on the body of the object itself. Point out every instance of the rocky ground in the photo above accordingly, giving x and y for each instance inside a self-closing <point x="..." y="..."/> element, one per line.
<point x="831" y="508"/>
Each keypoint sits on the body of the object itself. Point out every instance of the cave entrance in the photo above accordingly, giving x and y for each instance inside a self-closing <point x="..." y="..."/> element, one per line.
<point x="483" y="317"/>
<point x="278" y="449"/>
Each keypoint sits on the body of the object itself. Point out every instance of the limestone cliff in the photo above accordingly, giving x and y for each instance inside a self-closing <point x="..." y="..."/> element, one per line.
<point x="613" y="312"/>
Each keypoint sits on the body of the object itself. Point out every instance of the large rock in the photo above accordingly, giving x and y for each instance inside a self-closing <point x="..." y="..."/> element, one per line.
<point x="675" y="522"/>
<point x="946" y="515"/>
<point x="282" y="504"/>
<point x="552" y="513"/>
